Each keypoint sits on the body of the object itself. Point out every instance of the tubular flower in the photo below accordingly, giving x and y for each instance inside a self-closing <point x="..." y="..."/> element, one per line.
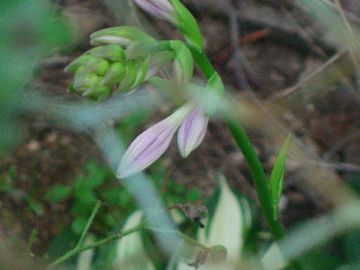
<point x="153" y="142"/>
<point x="192" y="131"/>
<point x="158" y="8"/>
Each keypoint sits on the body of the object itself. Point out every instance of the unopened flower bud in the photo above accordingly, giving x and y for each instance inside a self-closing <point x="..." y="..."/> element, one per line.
<point x="121" y="35"/>
<point x="150" y="144"/>
<point x="98" y="66"/>
<point x="158" y="8"/>
<point x="97" y="92"/>
<point x="78" y="62"/>
<point x="192" y="131"/>
<point x="82" y="81"/>
<point x="217" y="253"/>
<point x="183" y="62"/>
<point x="114" y="74"/>
<point x="129" y="78"/>
<point x="111" y="52"/>
<point x="141" y="73"/>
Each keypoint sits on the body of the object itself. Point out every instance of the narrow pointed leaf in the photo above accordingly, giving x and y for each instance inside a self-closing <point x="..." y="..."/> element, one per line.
<point x="277" y="177"/>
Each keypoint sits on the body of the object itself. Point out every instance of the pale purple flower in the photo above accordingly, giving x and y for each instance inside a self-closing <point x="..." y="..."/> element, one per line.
<point x="158" y="8"/>
<point x="192" y="131"/>
<point x="153" y="142"/>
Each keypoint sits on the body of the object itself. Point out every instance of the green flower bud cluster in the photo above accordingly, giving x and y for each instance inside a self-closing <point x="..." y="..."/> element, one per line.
<point x="104" y="69"/>
<point x="124" y="58"/>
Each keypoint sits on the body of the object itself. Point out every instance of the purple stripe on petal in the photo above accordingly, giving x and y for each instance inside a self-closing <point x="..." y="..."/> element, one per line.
<point x="192" y="131"/>
<point x="158" y="8"/>
<point x="151" y="144"/>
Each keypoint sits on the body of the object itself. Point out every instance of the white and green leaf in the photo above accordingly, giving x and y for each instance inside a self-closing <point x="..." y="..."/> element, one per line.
<point x="227" y="227"/>
<point x="130" y="251"/>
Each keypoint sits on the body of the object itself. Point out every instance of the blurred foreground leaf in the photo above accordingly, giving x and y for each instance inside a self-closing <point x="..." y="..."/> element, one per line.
<point x="30" y="30"/>
<point x="227" y="226"/>
<point x="131" y="254"/>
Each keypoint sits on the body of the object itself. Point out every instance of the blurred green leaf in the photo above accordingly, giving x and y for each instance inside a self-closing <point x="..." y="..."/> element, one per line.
<point x="57" y="193"/>
<point x="351" y="245"/>
<point x="30" y="30"/>
<point x="192" y="195"/>
<point x="277" y="177"/>
<point x="34" y="205"/>
<point x="79" y="224"/>
<point x="95" y="174"/>
<point x="84" y="204"/>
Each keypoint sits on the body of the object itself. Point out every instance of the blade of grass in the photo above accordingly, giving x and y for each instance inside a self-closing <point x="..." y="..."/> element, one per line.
<point x="277" y="177"/>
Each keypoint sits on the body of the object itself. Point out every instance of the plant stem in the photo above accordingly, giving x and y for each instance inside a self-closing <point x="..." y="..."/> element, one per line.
<point x="104" y="241"/>
<point x="88" y="224"/>
<point x="256" y="169"/>
<point x="192" y="241"/>
<point x="257" y="172"/>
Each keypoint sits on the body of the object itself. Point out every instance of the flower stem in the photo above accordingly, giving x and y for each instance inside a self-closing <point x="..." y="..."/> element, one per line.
<point x="256" y="169"/>
<point x="78" y="249"/>
<point x="88" y="224"/>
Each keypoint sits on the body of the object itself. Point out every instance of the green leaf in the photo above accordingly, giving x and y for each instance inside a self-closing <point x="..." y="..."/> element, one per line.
<point x="57" y="193"/>
<point x="225" y="230"/>
<point x="188" y="25"/>
<point x="78" y="225"/>
<point x="277" y="176"/>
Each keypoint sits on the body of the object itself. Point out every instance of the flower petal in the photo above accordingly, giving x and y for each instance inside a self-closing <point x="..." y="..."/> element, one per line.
<point x="192" y="131"/>
<point x="151" y="144"/>
<point x="158" y="8"/>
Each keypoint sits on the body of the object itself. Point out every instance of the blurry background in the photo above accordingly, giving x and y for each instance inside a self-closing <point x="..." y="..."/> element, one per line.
<point x="293" y="66"/>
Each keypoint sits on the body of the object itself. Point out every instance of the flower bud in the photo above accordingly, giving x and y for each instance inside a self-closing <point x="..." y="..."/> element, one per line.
<point x="150" y="144"/>
<point x="192" y="131"/>
<point x="98" y="66"/>
<point x="121" y="35"/>
<point x="141" y="73"/>
<point x="112" y="52"/>
<point x="129" y="78"/>
<point x="158" y="8"/>
<point x="78" y="62"/>
<point x="97" y="92"/>
<point x="183" y="62"/>
<point x="84" y="81"/>
<point x="114" y="74"/>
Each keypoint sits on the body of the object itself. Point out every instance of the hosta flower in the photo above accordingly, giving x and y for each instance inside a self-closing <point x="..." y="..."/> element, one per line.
<point x="153" y="142"/>
<point x="192" y="131"/>
<point x="159" y="8"/>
